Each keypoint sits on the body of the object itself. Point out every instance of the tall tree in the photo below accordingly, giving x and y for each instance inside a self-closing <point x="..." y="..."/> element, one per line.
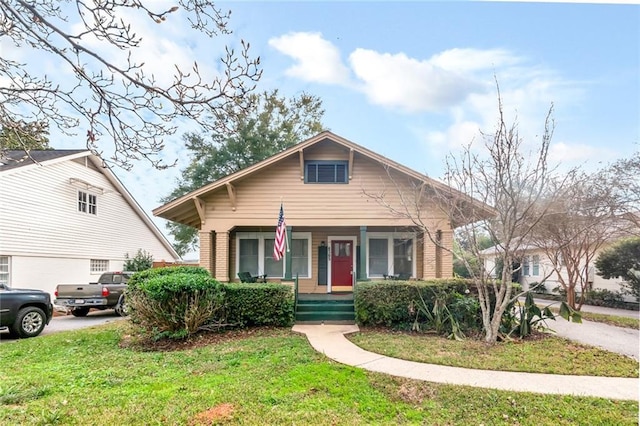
<point x="622" y="260"/>
<point x="24" y="136"/>
<point x="111" y="96"/>
<point x="271" y="124"/>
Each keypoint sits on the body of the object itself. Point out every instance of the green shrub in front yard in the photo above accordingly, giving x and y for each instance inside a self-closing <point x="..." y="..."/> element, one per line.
<point x="174" y="304"/>
<point x="258" y="304"/>
<point x="405" y="304"/>
<point x="142" y="276"/>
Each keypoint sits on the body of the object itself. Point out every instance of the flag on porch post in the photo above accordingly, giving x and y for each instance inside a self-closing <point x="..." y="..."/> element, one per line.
<point x="281" y="236"/>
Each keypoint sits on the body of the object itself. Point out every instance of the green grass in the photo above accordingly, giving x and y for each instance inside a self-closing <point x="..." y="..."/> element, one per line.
<point x="615" y="320"/>
<point x="549" y="354"/>
<point x="274" y="377"/>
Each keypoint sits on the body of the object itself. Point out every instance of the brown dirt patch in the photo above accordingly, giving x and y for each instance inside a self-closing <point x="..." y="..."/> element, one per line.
<point x="201" y="339"/>
<point x="215" y="415"/>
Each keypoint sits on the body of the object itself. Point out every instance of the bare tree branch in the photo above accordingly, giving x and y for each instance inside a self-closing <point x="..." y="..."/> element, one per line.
<point x="109" y="100"/>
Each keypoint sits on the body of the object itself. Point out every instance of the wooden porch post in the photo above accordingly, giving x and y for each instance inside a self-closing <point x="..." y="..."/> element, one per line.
<point x="287" y="256"/>
<point x="362" y="275"/>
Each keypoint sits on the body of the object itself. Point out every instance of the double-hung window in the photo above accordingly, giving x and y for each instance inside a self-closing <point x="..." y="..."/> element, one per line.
<point x="326" y="172"/>
<point x="536" y="265"/>
<point x="531" y="266"/>
<point x="4" y="270"/>
<point x="87" y="203"/>
<point x="390" y="254"/>
<point x="254" y="254"/>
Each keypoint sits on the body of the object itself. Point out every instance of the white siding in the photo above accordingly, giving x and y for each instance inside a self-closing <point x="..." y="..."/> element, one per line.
<point x="39" y="218"/>
<point x="44" y="273"/>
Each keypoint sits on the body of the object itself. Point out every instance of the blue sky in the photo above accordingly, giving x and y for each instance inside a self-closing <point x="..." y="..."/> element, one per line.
<point x="414" y="81"/>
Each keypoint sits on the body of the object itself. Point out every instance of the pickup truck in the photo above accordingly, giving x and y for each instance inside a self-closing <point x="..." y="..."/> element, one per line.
<point x="23" y="312"/>
<point x="107" y="293"/>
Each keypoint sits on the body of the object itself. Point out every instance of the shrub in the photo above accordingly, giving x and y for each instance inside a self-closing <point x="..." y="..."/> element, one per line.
<point x="260" y="304"/>
<point x="141" y="261"/>
<point x="604" y="297"/>
<point x="174" y="303"/>
<point x="142" y="276"/>
<point x="393" y="303"/>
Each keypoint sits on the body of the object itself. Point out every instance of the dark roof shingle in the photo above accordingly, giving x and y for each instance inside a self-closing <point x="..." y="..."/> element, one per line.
<point x="12" y="159"/>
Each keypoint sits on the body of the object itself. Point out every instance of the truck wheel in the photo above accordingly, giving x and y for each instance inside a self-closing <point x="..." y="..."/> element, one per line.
<point x="29" y="322"/>
<point x="121" y="307"/>
<point x="80" y="312"/>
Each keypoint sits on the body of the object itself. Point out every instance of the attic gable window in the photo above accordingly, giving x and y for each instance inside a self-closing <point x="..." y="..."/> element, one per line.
<point x="87" y="203"/>
<point x="326" y="172"/>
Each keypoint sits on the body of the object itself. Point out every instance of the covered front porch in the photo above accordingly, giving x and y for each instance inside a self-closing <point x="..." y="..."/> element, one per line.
<point x="327" y="260"/>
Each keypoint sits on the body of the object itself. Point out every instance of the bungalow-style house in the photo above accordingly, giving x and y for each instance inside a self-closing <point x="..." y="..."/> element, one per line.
<point x="66" y="218"/>
<point x="338" y="201"/>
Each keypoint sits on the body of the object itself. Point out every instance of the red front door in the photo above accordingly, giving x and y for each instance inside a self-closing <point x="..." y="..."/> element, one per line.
<point x="341" y="264"/>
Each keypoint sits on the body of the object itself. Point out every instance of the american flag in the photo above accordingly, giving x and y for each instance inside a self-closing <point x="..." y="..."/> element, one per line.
<point x="281" y="229"/>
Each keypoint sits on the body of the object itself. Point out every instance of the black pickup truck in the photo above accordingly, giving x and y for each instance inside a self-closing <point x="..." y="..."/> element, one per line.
<point x="23" y="312"/>
<point x="107" y="293"/>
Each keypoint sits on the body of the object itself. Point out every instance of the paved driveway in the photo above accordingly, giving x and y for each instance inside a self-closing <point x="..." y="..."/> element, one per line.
<point x="69" y="322"/>
<point x="625" y="341"/>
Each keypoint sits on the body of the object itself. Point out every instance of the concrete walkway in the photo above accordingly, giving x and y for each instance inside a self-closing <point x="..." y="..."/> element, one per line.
<point x="330" y="340"/>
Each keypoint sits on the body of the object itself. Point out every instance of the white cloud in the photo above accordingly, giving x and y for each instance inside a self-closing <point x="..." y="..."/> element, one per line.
<point x="468" y="60"/>
<point x="575" y="153"/>
<point x="409" y="84"/>
<point x="316" y="59"/>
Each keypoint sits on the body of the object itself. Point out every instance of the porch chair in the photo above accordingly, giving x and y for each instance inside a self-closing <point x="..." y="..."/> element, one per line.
<point x="246" y="277"/>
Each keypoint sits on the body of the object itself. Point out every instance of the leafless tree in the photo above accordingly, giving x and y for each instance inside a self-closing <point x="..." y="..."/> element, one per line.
<point x="108" y="99"/>
<point x="592" y="212"/>
<point x="501" y="177"/>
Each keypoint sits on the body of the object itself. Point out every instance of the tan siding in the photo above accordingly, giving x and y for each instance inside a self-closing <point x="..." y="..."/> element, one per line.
<point x="259" y="195"/>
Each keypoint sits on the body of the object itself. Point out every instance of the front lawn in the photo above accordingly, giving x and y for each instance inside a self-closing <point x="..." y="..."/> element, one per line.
<point x="257" y="377"/>
<point x="542" y="354"/>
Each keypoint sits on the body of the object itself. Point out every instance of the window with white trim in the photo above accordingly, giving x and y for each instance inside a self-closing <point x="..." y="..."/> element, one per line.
<point x="97" y="266"/>
<point x="531" y="266"/>
<point x="390" y="254"/>
<point x="254" y="254"/>
<point x="536" y="265"/>
<point x="4" y="270"/>
<point x="378" y="257"/>
<point x="87" y="203"/>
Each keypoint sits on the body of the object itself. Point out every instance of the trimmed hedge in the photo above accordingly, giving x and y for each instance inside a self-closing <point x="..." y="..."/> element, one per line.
<point x="387" y="303"/>
<point x="142" y="276"/>
<point x="258" y="304"/>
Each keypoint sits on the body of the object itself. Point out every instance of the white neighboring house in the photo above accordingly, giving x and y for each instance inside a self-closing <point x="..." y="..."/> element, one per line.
<point x="65" y="218"/>
<point x="535" y="266"/>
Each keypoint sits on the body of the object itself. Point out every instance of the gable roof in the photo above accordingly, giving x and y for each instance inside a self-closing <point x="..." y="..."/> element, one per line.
<point x="13" y="161"/>
<point x="173" y="208"/>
